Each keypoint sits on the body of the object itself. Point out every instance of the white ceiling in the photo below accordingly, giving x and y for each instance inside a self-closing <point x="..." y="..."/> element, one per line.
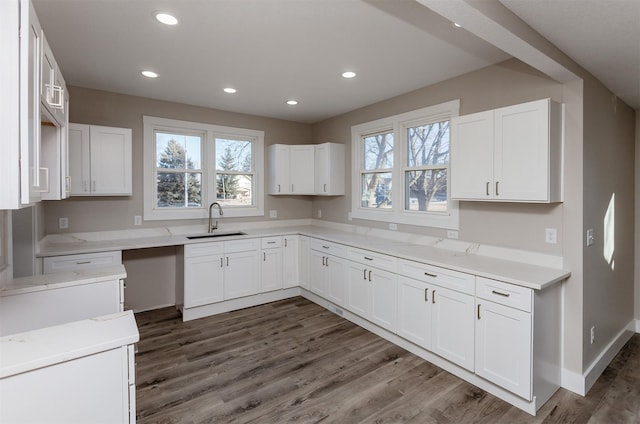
<point x="274" y="50"/>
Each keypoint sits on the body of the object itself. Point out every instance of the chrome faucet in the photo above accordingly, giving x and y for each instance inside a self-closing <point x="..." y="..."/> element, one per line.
<point x="213" y="226"/>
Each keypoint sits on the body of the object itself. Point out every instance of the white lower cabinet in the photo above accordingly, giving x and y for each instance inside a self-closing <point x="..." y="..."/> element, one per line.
<point x="371" y="293"/>
<point x="452" y="331"/>
<point x="504" y="335"/>
<point x="328" y="270"/>
<point x="414" y="311"/>
<point x="436" y="318"/>
<point x="203" y="274"/>
<point x="291" y="261"/>
<point x="219" y="271"/>
<point x="81" y="261"/>
<point x="271" y="265"/>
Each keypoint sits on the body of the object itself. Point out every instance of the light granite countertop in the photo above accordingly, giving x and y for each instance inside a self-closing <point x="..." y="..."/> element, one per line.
<point x="62" y="279"/>
<point x="525" y="269"/>
<point x="44" y="347"/>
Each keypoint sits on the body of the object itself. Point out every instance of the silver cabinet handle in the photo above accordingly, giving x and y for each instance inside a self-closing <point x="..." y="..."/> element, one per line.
<point x="264" y="256"/>
<point x="497" y="192"/>
<point x="426" y="295"/>
<point x="278" y="188"/>
<point x="500" y="294"/>
<point x="369" y="275"/>
<point x="478" y="310"/>
<point x="433" y="296"/>
<point x="365" y="274"/>
<point x="431" y="275"/>
<point x="368" y="259"/>
<point x="323" y="258"/>
<point x="82" y="262"/>
<point x="271" y="242"/>
<point x="325" y="188"/>
<point x="227" y="261"/>
<point x="221" y="262"/>
<point x="327" y="262"/>
<point x="285" y="242"/>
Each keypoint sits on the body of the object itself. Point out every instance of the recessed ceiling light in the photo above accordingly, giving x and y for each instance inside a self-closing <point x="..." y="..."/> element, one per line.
<point x="348" y="74"/>
<point x="149" y="74"/>
<point x="455" y="24"/>
<point x="292" y="102"/>
<point x="166" y="18"/>
<point x="230" y="90"/>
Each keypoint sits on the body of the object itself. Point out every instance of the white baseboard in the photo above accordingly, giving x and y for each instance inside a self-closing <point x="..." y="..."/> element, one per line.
<point x="582" y="383"/>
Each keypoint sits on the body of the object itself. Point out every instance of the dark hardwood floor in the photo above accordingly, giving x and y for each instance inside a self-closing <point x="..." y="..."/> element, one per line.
<point x="294" y="361"/>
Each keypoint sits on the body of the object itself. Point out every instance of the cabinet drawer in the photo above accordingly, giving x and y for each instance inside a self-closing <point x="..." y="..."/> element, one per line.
<point x="447" y="278"/>
<point x="243" y="245"/>
<point x="366" y="257"/>
<point x="271" y="242"/>
<point x="53" y="264"/>
<point x="328" y="247"/>
<point x="504" y="293"/>
<point x="202" y="249"/>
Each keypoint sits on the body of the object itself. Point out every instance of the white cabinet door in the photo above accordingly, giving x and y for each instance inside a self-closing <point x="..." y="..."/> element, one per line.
<point x="291" y="261"/>
<point x="317" y="272"/>
<point x="304" y="262"/>
<point x="472" y="156"/>
<point x="503" y="347"/>
<point x="79" y="159"/>
<point x="521" y="165"/>
<point x="301" y="166"/>
<point x="414" y="311"/>
<point x="33" y="178"/>
<point x="110" y="160"/>
<point x="336" y="279"/>
<point x="100" y="160"/>
<point x="242" y="276"/>
<point x="452" y="332"/>
<point x="279" y="169"/>
<point x="329" y="166"/>
<point x="358" y="290"/>
<point x="383" y="298"/>
<point x="271" y="269"/>
<point x="203" y="280"/>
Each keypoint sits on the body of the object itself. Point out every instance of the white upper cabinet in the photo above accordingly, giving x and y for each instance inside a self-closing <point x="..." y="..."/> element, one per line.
<point x="330" y="169"/>
<point x="100" y="160"/>
<point x="511" y="154"/>
<point x="306" y="169"/>
<point x="29" y="174"/>
<point x="292" y="169"/>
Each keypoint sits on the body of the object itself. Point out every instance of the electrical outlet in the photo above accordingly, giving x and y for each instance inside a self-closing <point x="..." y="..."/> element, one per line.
<point x="137" y="220"/>
<point x="63" y="223"/>
<point x="593" y="334"/>
<point x="550" y="235"/>
<point x="590" y="237"/>
<point x="273" y="213"/>
<point x="452" y="234"/>
<point x="393" y="226"/>
<point x="319" y="213"/>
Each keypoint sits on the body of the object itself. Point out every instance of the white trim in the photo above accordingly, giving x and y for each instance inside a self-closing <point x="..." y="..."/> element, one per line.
<point x="582" y="383"/>
<point x="210" y="132"/>
<point x="397" y="124"/>
<point x="638" y="326"/>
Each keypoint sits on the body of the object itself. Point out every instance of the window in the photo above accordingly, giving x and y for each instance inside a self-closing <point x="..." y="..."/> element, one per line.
<point x="189" y="165"/>
<point x="410" y="151"/>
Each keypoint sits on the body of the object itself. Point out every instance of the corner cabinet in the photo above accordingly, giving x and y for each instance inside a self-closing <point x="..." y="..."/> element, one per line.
<point x="510" y="154"/>
<point x="306" y="169"/>
<point x="100" y="160"/>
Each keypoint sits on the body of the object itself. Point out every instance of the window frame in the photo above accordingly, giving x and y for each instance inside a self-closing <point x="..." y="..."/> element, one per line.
<point x="398" y="124"/>
<point x="210" y="132"/>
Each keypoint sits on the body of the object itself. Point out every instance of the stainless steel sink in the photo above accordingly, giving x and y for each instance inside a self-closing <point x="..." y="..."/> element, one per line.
<point x="220" y="234"/>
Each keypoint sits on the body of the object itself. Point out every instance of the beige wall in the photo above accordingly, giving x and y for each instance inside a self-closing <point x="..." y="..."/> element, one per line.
<point x="111" y="109"/>
<point x="609" y="138"/>
<point x="499" y="224"/>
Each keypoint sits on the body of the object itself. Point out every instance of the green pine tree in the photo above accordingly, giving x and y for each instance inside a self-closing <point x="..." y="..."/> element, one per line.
<point x="227" y="184"/>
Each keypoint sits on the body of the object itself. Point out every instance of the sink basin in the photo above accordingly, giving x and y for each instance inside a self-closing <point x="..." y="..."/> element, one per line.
<point x="221" y="234"/>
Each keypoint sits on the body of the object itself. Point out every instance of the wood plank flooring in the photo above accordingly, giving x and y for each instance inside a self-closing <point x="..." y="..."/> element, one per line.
<point x="294" y="361"/>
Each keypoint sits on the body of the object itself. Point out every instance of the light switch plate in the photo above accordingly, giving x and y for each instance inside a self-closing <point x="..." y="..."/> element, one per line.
<point x="550" y="235"/>
<point x="63" y="223"/>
